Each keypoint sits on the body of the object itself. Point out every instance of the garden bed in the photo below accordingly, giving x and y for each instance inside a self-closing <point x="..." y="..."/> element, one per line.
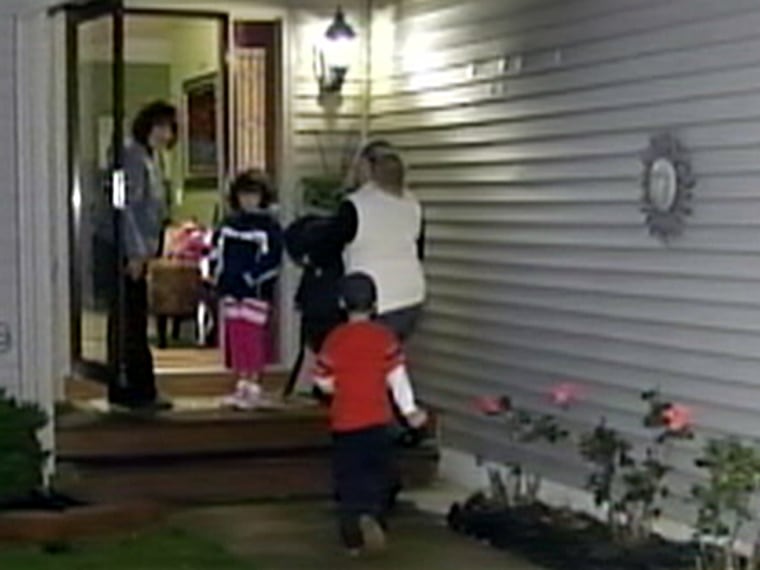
<point x="562" y="539"/>
<point x="53" y="519"/>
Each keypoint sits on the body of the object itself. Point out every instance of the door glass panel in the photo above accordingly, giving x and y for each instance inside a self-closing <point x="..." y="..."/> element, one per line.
<point x="95" y="266"/>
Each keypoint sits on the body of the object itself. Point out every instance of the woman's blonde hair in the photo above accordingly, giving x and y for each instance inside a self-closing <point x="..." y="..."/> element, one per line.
<point x="389" y="172"/>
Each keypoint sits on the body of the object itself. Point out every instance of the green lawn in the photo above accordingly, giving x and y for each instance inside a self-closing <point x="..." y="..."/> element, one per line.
<point x="160" y="550"/>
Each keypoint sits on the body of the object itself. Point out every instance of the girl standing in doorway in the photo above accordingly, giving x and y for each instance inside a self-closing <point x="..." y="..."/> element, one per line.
<point x="248" y="255"/>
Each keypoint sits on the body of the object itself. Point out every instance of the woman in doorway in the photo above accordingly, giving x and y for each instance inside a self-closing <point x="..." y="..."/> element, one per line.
<point x="153" y="131"/>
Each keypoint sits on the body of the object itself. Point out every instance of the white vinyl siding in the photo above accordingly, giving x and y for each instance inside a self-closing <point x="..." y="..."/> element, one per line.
<point x="325" y="135"/>
<point x="522" y="123"/>
<point x="9" y="238"/>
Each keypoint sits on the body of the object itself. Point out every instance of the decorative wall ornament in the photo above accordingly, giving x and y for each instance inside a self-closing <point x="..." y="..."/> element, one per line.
<point x="667" y="183"/>
<point x="201" y="129"/>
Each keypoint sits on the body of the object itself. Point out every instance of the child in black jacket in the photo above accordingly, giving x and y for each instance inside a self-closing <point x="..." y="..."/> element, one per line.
<point x="317" y="295"/>
<point x="248" y="254"/>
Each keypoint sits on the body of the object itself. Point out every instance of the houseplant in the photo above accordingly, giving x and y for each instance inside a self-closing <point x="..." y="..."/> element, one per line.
<point x="323" y="191"/>
<point x="30" y="509"/>
<point x="22" y="455"/>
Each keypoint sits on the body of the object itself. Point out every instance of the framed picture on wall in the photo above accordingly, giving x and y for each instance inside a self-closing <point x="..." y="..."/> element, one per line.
<point x="201" y="130"/>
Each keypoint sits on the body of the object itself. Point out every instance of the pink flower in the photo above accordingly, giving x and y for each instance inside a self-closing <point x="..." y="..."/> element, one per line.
<point x="677" y="418"/>
<point x="493" y="405"/>
<point x="565" y="395"/>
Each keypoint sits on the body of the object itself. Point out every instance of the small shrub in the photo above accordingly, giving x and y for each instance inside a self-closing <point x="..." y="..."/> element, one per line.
<point x="22" y="458"/>
<point x="733" y="477"/>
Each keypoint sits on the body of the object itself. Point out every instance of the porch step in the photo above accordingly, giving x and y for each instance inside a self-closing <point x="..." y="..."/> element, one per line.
<point x="98" y="437"/>
<point x="175" y="384"/>
<point x="207" y="456"/>
<point x="204" y="480"/>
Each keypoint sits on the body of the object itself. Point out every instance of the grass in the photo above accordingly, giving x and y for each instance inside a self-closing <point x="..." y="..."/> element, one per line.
<point x="160" y="550"/>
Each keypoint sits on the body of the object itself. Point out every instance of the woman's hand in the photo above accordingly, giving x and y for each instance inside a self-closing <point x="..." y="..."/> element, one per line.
<point x="417" y="419"/>
<point x="137" y="268"/>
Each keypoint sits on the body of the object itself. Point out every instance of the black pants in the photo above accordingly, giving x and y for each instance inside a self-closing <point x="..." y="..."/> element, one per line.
<point x="138" y="387"/>
<point x="364" y="474"/>
<point x="403" y="322"/>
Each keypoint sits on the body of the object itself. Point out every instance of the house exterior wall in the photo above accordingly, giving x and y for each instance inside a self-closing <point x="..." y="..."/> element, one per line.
<point x="9" y="238"/>
<point x="522" y="122"/>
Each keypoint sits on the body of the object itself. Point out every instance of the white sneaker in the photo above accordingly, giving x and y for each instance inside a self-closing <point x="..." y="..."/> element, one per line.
<point x="373" y="534"/>
<point x="247" y="396"/>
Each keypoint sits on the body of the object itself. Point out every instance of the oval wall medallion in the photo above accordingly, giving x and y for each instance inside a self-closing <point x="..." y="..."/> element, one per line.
<point x="667" y="184"/>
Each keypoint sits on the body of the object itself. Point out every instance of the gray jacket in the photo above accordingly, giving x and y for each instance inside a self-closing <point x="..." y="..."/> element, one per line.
<point x="145" y="208"/>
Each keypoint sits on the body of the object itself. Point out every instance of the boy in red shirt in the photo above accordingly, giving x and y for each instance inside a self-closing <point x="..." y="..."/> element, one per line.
<point x="359" y="362"/>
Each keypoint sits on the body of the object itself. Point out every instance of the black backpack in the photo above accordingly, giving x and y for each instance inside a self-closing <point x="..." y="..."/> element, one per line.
<point x="322" y="262"/>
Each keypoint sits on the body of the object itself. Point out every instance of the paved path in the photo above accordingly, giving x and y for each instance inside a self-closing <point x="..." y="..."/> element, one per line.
<point x="302" y="537"/>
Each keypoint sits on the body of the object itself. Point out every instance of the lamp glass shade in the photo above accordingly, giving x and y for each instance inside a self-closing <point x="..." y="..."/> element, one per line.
<point x="338" y="52"/>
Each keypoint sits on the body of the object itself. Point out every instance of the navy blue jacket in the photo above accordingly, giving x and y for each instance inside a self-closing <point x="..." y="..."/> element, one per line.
<point x="247" y="255"/>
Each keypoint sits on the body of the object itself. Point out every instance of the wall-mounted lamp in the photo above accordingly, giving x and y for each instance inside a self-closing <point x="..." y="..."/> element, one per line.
<point x="335" y="54"/>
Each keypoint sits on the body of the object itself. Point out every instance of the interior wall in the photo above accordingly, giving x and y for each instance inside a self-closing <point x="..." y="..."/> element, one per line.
<point x="195" y="53"/>
<point x="162" y="54"/>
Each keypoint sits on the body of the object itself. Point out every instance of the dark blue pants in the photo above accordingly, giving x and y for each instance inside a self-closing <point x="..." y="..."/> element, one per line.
<point x="363" y="476"/>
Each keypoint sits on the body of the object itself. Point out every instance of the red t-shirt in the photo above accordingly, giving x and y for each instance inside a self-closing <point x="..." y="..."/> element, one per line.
<point x="358" y="357"/>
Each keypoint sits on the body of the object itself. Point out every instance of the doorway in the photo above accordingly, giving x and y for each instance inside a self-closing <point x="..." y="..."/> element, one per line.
<point x="223" y="78"/>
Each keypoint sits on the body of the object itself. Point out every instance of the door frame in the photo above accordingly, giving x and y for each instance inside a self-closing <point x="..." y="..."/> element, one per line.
<point x="285" y="167"/>
<point x="227" y="20"/>
<point x="224" y="20"/>
<point x="44" y="351"/>
<point x="75" y="16"/>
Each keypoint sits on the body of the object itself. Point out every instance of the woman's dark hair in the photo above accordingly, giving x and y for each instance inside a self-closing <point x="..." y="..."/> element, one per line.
<point x="251" y="182"/>
<point x="156" y="114"/>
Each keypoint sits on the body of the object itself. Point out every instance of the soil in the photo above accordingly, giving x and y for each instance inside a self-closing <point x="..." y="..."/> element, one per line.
<point x="52" y="518"/>
<point x="561" y="539"/>
<point x="39" y="501"/>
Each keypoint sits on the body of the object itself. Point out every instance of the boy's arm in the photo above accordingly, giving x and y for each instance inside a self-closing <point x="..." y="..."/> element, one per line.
<point x="324" y="376"/>
<point x="401" y="388"/>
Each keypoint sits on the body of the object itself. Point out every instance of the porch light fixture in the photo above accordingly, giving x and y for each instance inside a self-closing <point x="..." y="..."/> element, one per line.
<point x="335" y="54"/>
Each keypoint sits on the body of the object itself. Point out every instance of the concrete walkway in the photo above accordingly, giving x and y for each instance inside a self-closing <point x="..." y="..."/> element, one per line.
<point x="302" y="537"/>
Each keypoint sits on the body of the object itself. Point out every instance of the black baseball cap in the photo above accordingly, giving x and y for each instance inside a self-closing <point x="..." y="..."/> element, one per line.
<point x="358" y="293"/>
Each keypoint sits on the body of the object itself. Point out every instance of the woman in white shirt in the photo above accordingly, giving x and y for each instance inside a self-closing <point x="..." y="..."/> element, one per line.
<point x="381" y="226"/>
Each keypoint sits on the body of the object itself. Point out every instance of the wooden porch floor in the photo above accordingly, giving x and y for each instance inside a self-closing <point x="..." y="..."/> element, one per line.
<point x="200" y="452"/>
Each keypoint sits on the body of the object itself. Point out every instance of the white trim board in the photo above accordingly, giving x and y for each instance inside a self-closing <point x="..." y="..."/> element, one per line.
<point x="36" y="220"/>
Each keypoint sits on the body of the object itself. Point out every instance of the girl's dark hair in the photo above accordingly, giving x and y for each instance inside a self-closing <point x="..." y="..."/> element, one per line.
<point x="151" y="116"/>
<point x="251" y="182"/>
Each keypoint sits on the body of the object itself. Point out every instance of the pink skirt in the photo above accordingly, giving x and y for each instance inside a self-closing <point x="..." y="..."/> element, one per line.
<point x="245" y="338"/>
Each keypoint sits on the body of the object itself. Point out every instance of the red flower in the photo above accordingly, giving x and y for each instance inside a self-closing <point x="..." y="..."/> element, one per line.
<point x="677" y="418"/>
<point x="493" y="405"/>
<point x="565" y="395"/>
